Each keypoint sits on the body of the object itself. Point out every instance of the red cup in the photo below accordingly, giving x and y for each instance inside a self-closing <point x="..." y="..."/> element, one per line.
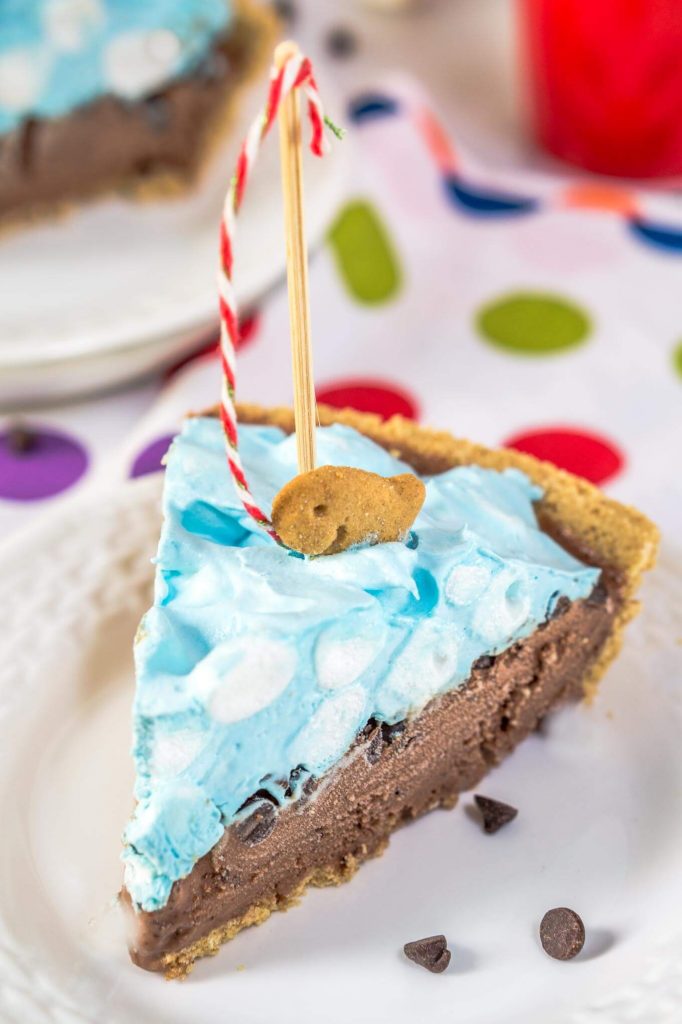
<point x="606" y="82"/>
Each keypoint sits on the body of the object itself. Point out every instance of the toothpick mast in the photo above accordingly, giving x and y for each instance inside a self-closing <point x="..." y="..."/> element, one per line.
<point x="297" y="268"/>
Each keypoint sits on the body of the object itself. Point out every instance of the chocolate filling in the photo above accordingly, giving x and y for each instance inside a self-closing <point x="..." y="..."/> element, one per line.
<point x="391" y="775"/>
<point x="109" y="143"/>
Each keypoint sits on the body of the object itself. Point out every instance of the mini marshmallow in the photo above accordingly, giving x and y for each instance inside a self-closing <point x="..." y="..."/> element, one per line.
<point x="135" y="63"/>
<point x="505" y="610"/>
<point x="466" y="583"/>
<point x="423" y="668"/>
<point x="22" y="73"/>
<point x="172" y="752"/>
<point x="325" y="738"/>
<point x="67" y="22"/>
<point x="242" y="676"/>
<point x="342" y="660"/>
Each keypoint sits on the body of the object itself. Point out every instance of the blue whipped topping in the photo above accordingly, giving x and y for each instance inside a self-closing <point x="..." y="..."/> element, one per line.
<point x="254" y="662"/>
<point x="56" y="55"/>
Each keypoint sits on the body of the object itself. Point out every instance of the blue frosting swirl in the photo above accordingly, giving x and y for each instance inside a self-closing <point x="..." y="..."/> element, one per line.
<point x="56" y="55"/>
<point x="254" y="662"/>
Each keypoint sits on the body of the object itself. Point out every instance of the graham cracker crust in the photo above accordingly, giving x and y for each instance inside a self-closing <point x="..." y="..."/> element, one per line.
<point x="179" y="965"/>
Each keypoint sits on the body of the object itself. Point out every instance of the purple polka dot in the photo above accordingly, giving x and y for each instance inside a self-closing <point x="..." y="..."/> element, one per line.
<point x="149" y="459"/>
<point x="46" y="464"/>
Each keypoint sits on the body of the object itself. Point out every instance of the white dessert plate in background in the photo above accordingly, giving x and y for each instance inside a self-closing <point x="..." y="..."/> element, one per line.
<point x="118" y="288"/>
<point x="599" y="829"/>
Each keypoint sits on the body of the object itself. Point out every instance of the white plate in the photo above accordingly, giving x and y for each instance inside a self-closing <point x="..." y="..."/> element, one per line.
<point x="599" y="829"/>
<point x="118" y="288"/>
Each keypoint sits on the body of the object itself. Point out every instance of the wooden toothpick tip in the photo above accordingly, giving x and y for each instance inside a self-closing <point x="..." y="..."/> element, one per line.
<point x="284" y="51"/>
<point x="297" y="268"/>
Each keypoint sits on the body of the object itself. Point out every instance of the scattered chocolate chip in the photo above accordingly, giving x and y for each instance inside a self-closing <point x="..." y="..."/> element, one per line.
<point x="285" y="10"/>
<point x="20" y="439"/>
<point x="484" y="662"/>
<point x="341" y="41"/>
<point x="495" y="813"/>
<point x="431" y="953"/>
<point x="562" y="933"/>
<point x="258" y="825"/>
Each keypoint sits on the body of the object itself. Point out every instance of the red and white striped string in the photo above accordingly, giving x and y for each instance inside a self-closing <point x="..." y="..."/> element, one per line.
<point x="295" y="73"/>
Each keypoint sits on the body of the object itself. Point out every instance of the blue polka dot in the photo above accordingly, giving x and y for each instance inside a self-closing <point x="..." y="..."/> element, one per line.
<point x="658" y="236"/>
<point x="486" y="202"/>
<point x="370" y="106"/>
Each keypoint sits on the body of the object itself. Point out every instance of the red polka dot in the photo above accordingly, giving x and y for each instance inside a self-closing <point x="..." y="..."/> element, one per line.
<point x="368" y="395"/>
<point x="586" y="454"/>
<point x="207" y="350"/>
<point x="248" y="330"/>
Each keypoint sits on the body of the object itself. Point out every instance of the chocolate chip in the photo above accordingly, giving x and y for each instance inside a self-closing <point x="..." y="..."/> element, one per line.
<point x="391" y="733"/>
<point x="310" y="785"/>
<point x="300" y="782"/>
<point x="214" y="67"/>
<point x="341" y="41"/>
<point x="374" y="746"/>
<point x="431" y="953"/>
<point x="285" y="10"/>
<point x="157" y="112"/>
<point x="598" y="597"/>
<point x="495" y="813"/>
<point x="27" y="144"/>
<point x="562" y="933"/>
<point x="484" y="662"/>
<point x="20" y="439"/>
<point x="258" y="825"/>
<point x="560" y="608"/>
<point x="266" y="794"/>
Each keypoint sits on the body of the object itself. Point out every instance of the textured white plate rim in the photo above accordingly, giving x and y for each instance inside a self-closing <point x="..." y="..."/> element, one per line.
<point x="116" y="531"/>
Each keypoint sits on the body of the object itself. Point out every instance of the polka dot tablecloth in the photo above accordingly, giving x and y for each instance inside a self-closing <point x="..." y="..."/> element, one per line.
<point x="536" y="313"/>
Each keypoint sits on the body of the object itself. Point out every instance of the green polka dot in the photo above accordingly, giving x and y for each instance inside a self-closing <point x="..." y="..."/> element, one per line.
<point x="364" y="254"/>
<point x="533" y="323"/>
<point x="677" y="358"/>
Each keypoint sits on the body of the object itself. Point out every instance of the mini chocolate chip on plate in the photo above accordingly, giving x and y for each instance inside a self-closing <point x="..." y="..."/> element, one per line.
<point x="20" y="439"/>
<point x="431" y="953"/>
<point x="562" y="933"/>
<point x="495" y="813"/>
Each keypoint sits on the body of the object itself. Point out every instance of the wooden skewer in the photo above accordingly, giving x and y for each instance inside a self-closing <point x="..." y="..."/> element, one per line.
<point x="297" y="269"/>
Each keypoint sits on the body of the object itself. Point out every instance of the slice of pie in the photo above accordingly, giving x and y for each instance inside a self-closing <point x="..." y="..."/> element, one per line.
<point x="291" y="713"/>
<point x="101" y="95"/>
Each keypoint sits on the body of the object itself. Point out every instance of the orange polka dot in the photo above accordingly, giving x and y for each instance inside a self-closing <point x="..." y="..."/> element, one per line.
<point x="601" y="197"/>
